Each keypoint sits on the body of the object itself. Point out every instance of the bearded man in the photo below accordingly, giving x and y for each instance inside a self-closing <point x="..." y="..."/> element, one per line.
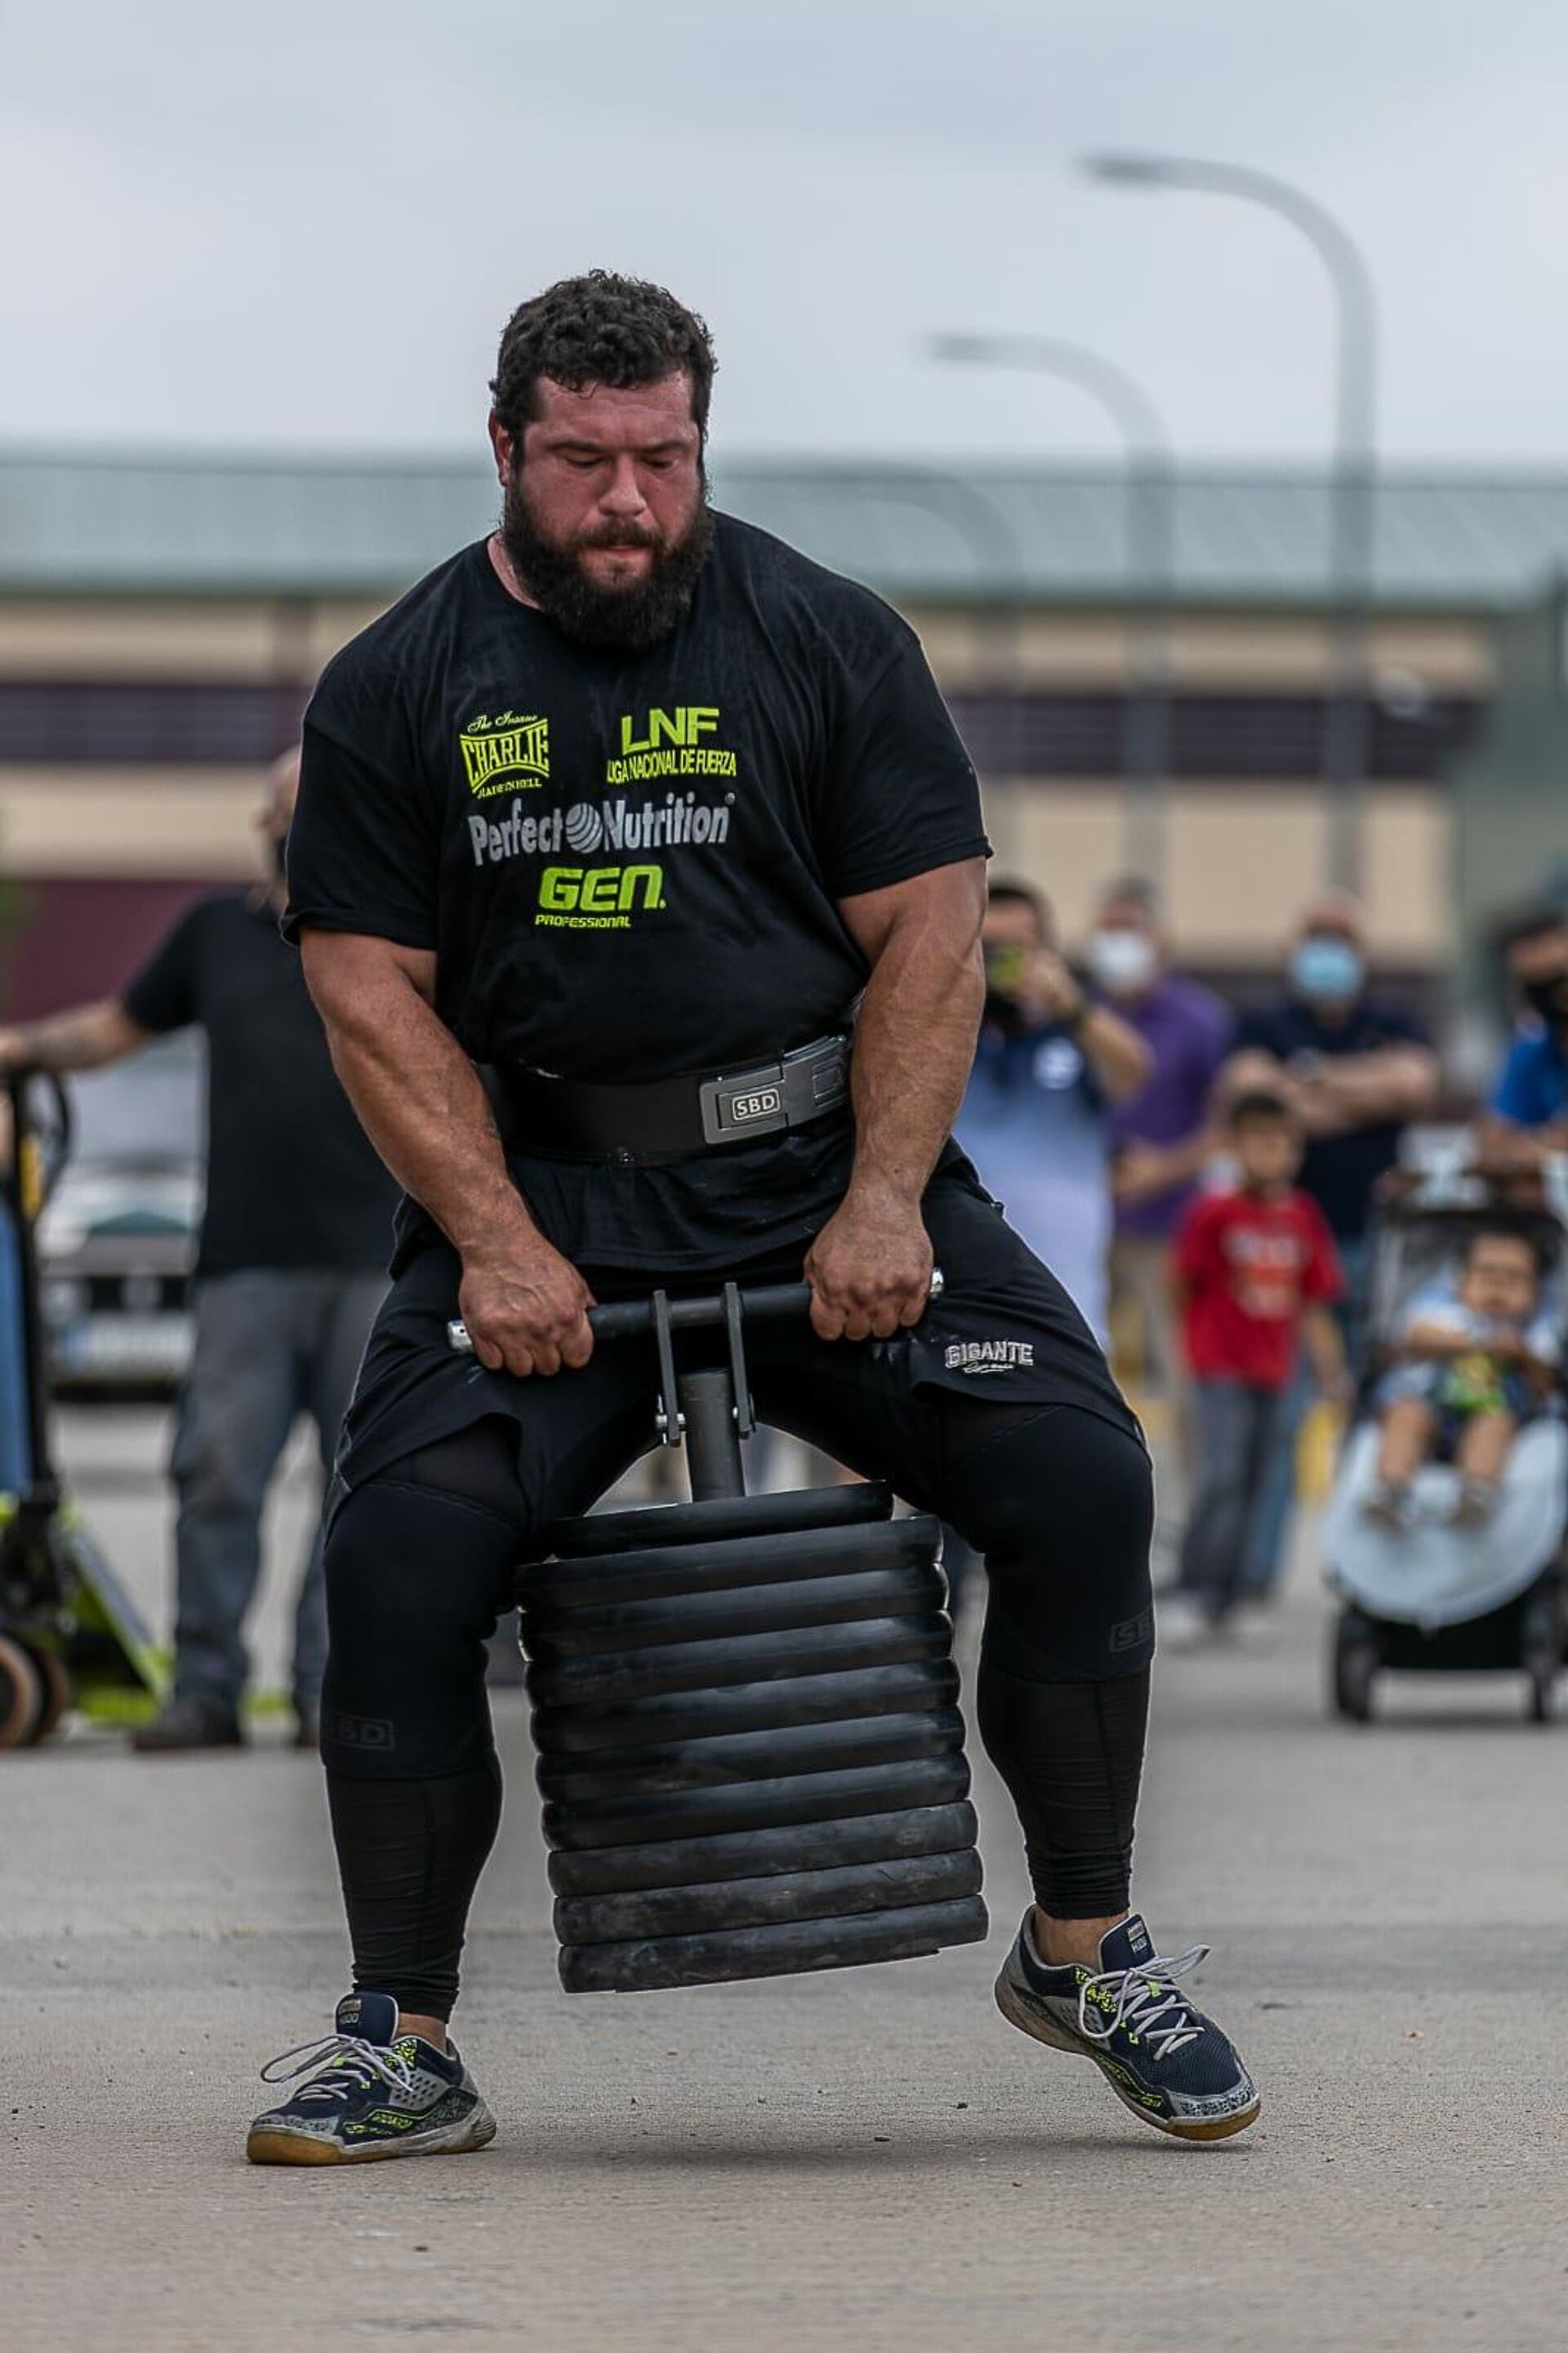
<point x="619" y="805"/>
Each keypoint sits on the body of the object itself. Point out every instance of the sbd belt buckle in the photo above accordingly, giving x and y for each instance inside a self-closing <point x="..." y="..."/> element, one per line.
<point x="751" y="1104"/>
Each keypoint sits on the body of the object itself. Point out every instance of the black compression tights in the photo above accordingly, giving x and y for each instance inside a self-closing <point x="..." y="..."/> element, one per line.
<point x="419" y="1566"/>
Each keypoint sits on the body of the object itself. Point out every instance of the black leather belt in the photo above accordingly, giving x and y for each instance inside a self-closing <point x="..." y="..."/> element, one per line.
<point x="666" y="1119"/>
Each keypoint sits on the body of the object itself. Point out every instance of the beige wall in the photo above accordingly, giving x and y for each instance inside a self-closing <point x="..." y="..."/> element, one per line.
<point x="266" y="638"/>
<point x="1241" y="652"/>
<point x="1240" y="859"/>
<point x="239" y="641"/>
<point x="1240" y="862"/>
<point x="129" y="821"/>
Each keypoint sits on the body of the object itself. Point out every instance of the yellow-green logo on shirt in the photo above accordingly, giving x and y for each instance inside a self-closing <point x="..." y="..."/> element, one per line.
<point x="655" y="745"/>
<point x="504" y="753"/>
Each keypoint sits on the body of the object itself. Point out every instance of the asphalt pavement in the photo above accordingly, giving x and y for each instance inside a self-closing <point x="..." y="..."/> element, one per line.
<point x="870" y="2159"/>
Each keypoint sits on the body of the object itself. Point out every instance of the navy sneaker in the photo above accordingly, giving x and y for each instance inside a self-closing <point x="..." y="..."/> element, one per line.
<point x="1162" y="2057"/>
<point x="369" y="2093"/>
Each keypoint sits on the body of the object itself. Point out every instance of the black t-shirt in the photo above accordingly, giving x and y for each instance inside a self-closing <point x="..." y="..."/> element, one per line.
<point x="627" y="864"/>
<point x="291" y="1178"/>
<point x="1338" y="1171"/>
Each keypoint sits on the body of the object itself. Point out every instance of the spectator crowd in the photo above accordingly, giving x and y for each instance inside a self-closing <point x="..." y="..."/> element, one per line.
<point x="1204" y="1181"/>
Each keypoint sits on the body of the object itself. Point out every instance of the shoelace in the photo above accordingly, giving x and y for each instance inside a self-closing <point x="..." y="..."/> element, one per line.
<point x="1143" y="2004"/>
<point x="357" y="2066"/>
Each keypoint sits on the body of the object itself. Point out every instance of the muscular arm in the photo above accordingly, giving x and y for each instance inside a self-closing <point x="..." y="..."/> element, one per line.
<point x="869" y="1267"/>
<point x="84" y="1038"/>
<point x="419" y="1100"/>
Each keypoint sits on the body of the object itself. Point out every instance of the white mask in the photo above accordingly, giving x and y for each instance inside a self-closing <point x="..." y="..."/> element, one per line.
<point x="1122" y="961"/>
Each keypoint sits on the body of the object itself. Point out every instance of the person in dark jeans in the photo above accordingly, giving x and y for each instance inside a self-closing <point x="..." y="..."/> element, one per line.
<point x="1356" y="1069"/>
<point x="288" y="1276"/>
<point x="1256" y="1271"/>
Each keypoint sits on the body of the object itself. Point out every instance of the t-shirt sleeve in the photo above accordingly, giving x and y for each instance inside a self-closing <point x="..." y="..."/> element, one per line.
<point x="364" y="844"/>
<point x="1519" y="1096"/>
<point x="162" y="995"/>
<point x="901" y="797"/>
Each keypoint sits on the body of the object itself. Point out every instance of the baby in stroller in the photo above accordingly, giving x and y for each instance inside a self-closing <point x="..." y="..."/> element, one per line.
<point x="1475" y="1359"/>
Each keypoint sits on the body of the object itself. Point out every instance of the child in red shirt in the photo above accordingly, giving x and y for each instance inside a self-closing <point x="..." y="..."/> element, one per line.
<point x="1256" y="1271"/>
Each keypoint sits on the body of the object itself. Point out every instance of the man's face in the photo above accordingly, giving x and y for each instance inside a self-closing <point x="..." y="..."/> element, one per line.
<point x="1008" y="938"/>
<point x="1125" y="950"/>
<point x="1010" y="924"/>
<point x="605" y="514"/>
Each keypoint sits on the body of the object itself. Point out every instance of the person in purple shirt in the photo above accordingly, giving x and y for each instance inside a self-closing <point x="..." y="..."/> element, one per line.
<point x="1160" y="1135"/>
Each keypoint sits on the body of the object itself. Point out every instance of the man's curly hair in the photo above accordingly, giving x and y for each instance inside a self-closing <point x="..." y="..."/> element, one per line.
<point x="600" y="328"/>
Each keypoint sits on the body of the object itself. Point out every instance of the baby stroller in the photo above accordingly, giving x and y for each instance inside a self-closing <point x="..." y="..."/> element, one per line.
<point x="1437" y="1597"/>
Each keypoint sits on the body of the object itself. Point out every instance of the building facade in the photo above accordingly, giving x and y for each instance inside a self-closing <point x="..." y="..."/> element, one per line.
<point x="161" y="621"/>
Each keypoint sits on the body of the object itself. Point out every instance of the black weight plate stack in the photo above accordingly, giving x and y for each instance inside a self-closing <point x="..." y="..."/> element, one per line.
<point x="750" y="1748"/>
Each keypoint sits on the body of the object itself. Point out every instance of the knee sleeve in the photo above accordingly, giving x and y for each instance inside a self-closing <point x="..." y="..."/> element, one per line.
<point x="1061" y="1502"/>
<point x="416" y="1581"/>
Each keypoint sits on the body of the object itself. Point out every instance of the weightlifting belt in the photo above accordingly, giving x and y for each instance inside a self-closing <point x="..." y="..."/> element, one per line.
<point x="666" y="1119"/>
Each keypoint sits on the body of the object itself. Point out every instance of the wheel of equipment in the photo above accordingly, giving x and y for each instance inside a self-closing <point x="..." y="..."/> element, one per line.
<point x="1541" y="1649"/>
<point x="1356" y="1659"/>
<point x="21" y="1694"/>
<point x="54" y="1693"/>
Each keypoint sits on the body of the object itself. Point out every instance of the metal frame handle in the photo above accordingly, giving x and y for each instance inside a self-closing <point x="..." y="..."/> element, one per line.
<point x="626" y="1319"/>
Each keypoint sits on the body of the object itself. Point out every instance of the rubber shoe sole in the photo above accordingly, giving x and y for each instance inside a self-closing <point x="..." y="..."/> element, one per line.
<point x="1030" y="2022"/>
<point x="266" y="2145"/>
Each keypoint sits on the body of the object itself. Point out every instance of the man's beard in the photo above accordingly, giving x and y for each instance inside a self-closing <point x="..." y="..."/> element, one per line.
<point x="625" y="619"/>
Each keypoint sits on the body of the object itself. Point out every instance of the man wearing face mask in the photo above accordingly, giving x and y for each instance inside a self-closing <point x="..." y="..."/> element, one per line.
<point x="1355" y="1070"/>
<point x="294" y="1238"/>
<point x="1528" y="1120"/>
<point x="1050" y="1066"/>
<point x="1162" y="1134"/>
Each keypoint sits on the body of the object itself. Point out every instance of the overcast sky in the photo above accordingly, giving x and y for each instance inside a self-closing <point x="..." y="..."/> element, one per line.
<point x="304" y="224"/>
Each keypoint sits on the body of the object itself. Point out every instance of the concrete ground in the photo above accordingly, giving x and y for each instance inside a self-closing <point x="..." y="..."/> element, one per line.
<point x="867" y="2160"/>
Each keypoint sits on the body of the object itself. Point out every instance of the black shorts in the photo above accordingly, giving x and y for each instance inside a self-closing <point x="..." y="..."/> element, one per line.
<point x="1003" y="1329"/>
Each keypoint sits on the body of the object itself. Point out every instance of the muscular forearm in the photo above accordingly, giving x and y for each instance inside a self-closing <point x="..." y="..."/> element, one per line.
<point x="419" y="1100"/>
<point x="914" y="1045"/>
<point x="82" y="1038"/>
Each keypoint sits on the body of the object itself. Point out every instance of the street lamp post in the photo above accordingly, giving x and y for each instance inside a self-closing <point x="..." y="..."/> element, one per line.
<point x="1147" y="562"/>
<point x="1353" y="480"/>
